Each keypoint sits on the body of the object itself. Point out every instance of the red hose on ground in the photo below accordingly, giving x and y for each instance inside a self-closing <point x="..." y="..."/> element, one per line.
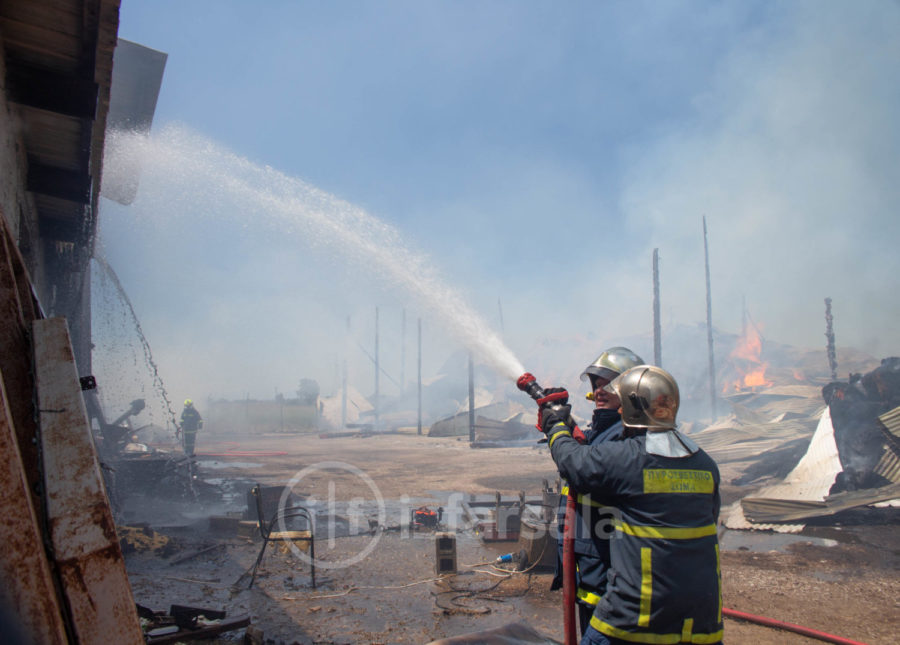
<point x="569" y="571"/>
<point x="791" y="627"/>
<point x="243" y="453"/>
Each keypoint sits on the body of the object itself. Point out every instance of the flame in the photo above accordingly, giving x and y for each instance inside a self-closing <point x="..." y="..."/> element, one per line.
<point x="745" y="360"/>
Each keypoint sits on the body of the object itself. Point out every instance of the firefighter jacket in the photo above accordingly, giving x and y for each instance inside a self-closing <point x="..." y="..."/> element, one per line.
<point x="593" y="523"/>
<point x="190" y="419"/>
<point x="664" y="581"/>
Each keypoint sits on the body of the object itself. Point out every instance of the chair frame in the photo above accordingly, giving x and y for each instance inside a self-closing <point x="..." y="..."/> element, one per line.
<point x="268" y="533"/>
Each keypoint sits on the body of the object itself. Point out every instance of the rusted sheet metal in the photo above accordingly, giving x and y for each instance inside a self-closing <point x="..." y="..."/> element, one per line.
<point x="17" y="310"/>
<point x="83" y="533"/>
<point x="28" y="592"/>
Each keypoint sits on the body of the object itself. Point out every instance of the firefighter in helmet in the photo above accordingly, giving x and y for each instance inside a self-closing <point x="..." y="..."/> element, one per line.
<point x="664" y="582"/>
<point x="592" y="520"/>
<point x="191" y="423"/>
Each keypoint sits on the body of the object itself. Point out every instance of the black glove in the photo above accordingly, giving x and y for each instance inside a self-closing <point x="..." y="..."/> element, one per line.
<point x="556" y="419"/>
<point x="554" y="413"/>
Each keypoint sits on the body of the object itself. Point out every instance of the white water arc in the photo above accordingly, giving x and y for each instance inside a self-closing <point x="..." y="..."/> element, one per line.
<point x="212" y="176"/>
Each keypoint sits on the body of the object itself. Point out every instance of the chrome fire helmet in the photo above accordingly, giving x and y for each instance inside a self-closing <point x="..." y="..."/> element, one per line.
<point x="611" y="363"/>
<point x="649" y="397"/>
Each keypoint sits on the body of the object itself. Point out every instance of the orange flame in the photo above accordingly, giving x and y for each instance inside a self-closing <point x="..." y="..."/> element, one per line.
<point x="745" y="359"/>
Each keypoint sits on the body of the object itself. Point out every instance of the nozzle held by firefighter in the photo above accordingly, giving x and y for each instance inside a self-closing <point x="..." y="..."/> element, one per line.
<point x="639" y="506"/>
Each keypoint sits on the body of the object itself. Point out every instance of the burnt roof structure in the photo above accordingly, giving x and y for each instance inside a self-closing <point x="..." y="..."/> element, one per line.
<point x="57" y="70"/>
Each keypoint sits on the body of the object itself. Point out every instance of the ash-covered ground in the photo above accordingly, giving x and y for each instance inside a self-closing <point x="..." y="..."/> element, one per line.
<point x="376" y="580"/>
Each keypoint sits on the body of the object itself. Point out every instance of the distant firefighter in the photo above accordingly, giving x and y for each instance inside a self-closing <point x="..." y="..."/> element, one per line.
<point x="191" y="422"/>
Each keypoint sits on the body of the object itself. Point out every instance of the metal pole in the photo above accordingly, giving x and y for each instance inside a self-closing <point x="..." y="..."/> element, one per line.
<point x="471" y="399"/>
<point x="420" y="377"/>
<point x="344" y="379"/>
<point x="377" y="372"/>
<point x="657" y="331"/>
<point x="829" y="335"/>
<point x="709" y="332"/>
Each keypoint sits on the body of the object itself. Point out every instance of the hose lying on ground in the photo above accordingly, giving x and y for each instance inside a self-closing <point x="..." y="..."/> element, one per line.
<point x="791" y="627"/>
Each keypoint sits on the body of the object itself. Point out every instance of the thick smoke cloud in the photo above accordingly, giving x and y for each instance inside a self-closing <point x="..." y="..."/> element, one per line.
<point x="792" y="158"/>
<point x="536" y="173"/>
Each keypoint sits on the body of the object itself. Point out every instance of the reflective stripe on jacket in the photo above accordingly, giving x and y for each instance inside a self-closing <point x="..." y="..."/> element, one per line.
<point x="664" y="581"/>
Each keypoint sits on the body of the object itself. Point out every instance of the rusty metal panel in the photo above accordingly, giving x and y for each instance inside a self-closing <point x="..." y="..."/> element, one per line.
<point x="87" y="552"/>
<point x="29" y="592"/>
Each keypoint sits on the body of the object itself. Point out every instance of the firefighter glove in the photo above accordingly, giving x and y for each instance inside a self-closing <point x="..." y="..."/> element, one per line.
<point x="553" y="396"/>
<point x="556" y="420"/>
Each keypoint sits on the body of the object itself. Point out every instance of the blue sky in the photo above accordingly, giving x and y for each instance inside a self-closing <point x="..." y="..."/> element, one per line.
<point x="532" y="153"/>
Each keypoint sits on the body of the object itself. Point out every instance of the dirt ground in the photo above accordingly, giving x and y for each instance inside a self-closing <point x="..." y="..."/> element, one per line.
<point x="381" y="586"/>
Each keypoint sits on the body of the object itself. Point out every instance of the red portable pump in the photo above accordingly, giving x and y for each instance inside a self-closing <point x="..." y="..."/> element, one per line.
<point x="528" y="384"/>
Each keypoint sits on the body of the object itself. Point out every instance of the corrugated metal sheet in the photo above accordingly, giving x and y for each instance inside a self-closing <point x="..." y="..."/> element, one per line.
<point x="726" y="444"/>
<point x="777" y="510"/>
<point x="891" y="421"/>
<point x="809" y="481"/>
<point x="889" y="466"/>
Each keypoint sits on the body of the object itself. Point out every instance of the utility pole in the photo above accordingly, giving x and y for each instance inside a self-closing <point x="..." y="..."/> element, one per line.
<point x="657" y="331"/>
<point x="344" y="378"/>
<point x="709" y="332"/>
<point x="829" y="336"/>
<point x="471" y="399"/>
<point x="420" y="377"/>
<point x="377" y="371"/>
<point x="403" y="352"/>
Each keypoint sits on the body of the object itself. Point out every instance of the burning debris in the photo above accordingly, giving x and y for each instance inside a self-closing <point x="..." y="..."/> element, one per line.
<point x="748" y="370"/>
<point x="850" y="461"/>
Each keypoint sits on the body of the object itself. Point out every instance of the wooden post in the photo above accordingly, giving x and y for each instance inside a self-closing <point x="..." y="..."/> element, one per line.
<point x="344" y="379"/>
<point x="709" y="331"/>
<point x="377" y="370"/>
<point x="403" y="352"/>
<point x="829" y="335"/>
<point x="419" y="387"/>
<point x="471" y="399"/>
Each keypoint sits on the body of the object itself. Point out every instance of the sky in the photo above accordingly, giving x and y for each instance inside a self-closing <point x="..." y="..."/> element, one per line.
<point x="519" y="161"/>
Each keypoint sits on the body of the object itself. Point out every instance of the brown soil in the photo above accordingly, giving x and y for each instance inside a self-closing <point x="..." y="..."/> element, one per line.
<point x="392" y="595"/>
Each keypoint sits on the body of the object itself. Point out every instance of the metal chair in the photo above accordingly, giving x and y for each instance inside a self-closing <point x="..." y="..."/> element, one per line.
<point x="282" y="516"/>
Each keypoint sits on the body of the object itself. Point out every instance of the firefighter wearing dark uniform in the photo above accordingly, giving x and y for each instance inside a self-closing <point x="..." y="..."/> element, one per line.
<point x="664" y="581"/>
<point x="191" y="423"/>
<point x="593" y="521"/>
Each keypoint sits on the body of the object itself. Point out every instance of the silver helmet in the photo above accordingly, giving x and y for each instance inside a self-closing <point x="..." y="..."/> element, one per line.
<point x="611" y="363"/>
<point x="649" y="397"/>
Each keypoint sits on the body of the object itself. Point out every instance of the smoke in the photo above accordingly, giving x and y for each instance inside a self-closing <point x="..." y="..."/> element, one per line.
<point x="542" y="168"/>
<point x="791" y="156"/>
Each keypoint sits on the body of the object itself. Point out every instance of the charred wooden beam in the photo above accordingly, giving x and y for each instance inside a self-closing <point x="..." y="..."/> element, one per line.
<point x="60" y="230"/>
<point x="71" y="185"/>
<point x="37" y="87"/>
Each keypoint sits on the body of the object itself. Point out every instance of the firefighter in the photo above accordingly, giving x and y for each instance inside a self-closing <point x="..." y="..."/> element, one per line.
<point x="664" y="582"/>
<point x="593" y="521"/>
<point x="191" y="423"/>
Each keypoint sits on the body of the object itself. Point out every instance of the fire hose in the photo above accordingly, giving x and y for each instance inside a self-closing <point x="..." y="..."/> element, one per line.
<point x="528" y="384"/>
<point x="791" y="627"/>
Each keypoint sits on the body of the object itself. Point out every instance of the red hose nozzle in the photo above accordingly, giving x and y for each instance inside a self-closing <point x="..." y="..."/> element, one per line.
<point x="528" y="384"/>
